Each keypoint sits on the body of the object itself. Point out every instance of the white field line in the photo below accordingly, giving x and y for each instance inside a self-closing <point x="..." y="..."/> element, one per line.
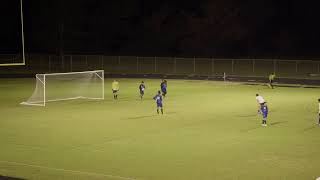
<point x="67" y="170"/>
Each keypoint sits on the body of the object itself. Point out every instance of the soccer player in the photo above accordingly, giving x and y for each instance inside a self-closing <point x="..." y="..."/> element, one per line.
<point x="319" y="112"/>
<point x="260" y="100"/>
<point x="264" y="112"/>
<point x="271" y="79"/>
<point x="158" y="99"/>
<point x="142" y="87"/>
<point x="115" y="89"/>
<point x="163" y="87"/>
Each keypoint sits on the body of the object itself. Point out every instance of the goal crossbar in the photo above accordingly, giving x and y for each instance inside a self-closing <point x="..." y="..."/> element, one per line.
<point x="68" y="73"/>
<point x="23" y="63"/>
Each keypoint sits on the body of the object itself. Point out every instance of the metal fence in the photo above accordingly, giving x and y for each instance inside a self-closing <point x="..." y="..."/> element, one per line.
<point x="165" y="65"/>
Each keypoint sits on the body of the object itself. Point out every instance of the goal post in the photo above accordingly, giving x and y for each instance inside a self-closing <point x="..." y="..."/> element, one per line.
<point x="67" y="86"/>
<point x="17" y="59"/>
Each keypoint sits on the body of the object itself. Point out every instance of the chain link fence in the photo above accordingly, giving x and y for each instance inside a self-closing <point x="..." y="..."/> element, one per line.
<point x="38" y="63"/>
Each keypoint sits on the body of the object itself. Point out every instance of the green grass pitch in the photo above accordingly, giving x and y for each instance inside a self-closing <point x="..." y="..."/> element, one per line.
<point x="210" y="130"/>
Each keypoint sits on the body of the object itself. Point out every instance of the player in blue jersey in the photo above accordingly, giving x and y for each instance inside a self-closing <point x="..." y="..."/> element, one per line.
<point x="264" y="112"/>
<point x="163" y="87"/>
<point x="158" y="99"/>
<point x="142" y="87"/>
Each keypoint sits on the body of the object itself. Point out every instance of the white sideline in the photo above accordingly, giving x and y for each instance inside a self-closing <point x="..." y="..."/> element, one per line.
<point x="67" y="170"/>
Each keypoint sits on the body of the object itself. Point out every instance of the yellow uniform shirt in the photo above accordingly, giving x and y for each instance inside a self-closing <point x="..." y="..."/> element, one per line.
<point x="271" y="77"/>
<point x="115" y="85"/>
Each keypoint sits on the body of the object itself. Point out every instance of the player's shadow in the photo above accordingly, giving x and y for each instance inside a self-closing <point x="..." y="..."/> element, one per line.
<point x="308" y="128"/>
<point x="141" y="117"/>
<point x="251" y="129"/>
<point x="10" y="178"/>
<point x="171" y="112"/>
<point x="278" y="122"/>
<point x="149" y="116"/>
<point x="257" y="127"/>
<point x="247" y="115"/>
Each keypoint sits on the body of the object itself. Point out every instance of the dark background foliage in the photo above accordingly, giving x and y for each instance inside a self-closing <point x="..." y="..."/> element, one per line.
<point x="220" y="28"/>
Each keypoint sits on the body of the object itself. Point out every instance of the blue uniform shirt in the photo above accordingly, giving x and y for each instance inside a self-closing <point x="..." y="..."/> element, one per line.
<point x="158" y="99"/>
<point x="163" y="87"/>
<point x="264" y="110"/>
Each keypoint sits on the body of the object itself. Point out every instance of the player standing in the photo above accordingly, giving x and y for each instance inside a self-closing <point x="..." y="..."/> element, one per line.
<point x="158" y="99"/>
<point x="271" y="79"/>
<point x="264" y="112"/>
<point x="260" y="100"/>
<point x="142" y="87"/>
<point x="115" y="89"/>
<point x="163" y="87"/>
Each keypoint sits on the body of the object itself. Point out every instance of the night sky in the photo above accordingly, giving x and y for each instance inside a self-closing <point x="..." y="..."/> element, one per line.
<point x="202" y="28"/>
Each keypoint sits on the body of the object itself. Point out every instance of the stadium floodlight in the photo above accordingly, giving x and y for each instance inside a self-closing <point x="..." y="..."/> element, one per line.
<point x="67" y="86"/>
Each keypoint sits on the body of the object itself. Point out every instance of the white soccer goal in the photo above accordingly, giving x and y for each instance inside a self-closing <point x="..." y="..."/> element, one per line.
<point x="67" y="86"/>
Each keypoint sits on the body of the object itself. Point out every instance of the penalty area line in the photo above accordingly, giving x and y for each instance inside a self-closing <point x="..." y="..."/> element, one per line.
<point x="68" y="170"/>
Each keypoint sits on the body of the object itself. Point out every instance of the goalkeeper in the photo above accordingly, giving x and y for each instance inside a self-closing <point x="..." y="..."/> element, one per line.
<point x="271" y="79"/>
<point x="115" y="89"/>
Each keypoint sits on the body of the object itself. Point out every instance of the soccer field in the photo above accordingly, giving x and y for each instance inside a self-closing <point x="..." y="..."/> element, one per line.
<point x="210" y="130"/>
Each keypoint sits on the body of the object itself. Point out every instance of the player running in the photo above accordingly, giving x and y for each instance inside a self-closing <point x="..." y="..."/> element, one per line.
<point x="158" y="99"/>
<point x="260" y="100"/>
<point x="264" y="112"/>
<point x="142" y="87"/>
<point x="271" y="79"/>
<point x="115" y="89"/>
<point x="163" y="87"/>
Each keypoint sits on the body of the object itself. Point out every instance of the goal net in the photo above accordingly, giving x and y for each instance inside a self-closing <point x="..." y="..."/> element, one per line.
<point x="67" y="86"/>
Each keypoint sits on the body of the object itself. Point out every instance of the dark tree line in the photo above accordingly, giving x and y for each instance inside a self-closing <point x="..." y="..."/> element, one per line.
<point x="220" y="28"/>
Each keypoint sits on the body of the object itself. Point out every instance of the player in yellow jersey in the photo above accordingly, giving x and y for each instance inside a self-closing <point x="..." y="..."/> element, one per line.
<point x="115" y="89"/>
<point x="271" y="79"/>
